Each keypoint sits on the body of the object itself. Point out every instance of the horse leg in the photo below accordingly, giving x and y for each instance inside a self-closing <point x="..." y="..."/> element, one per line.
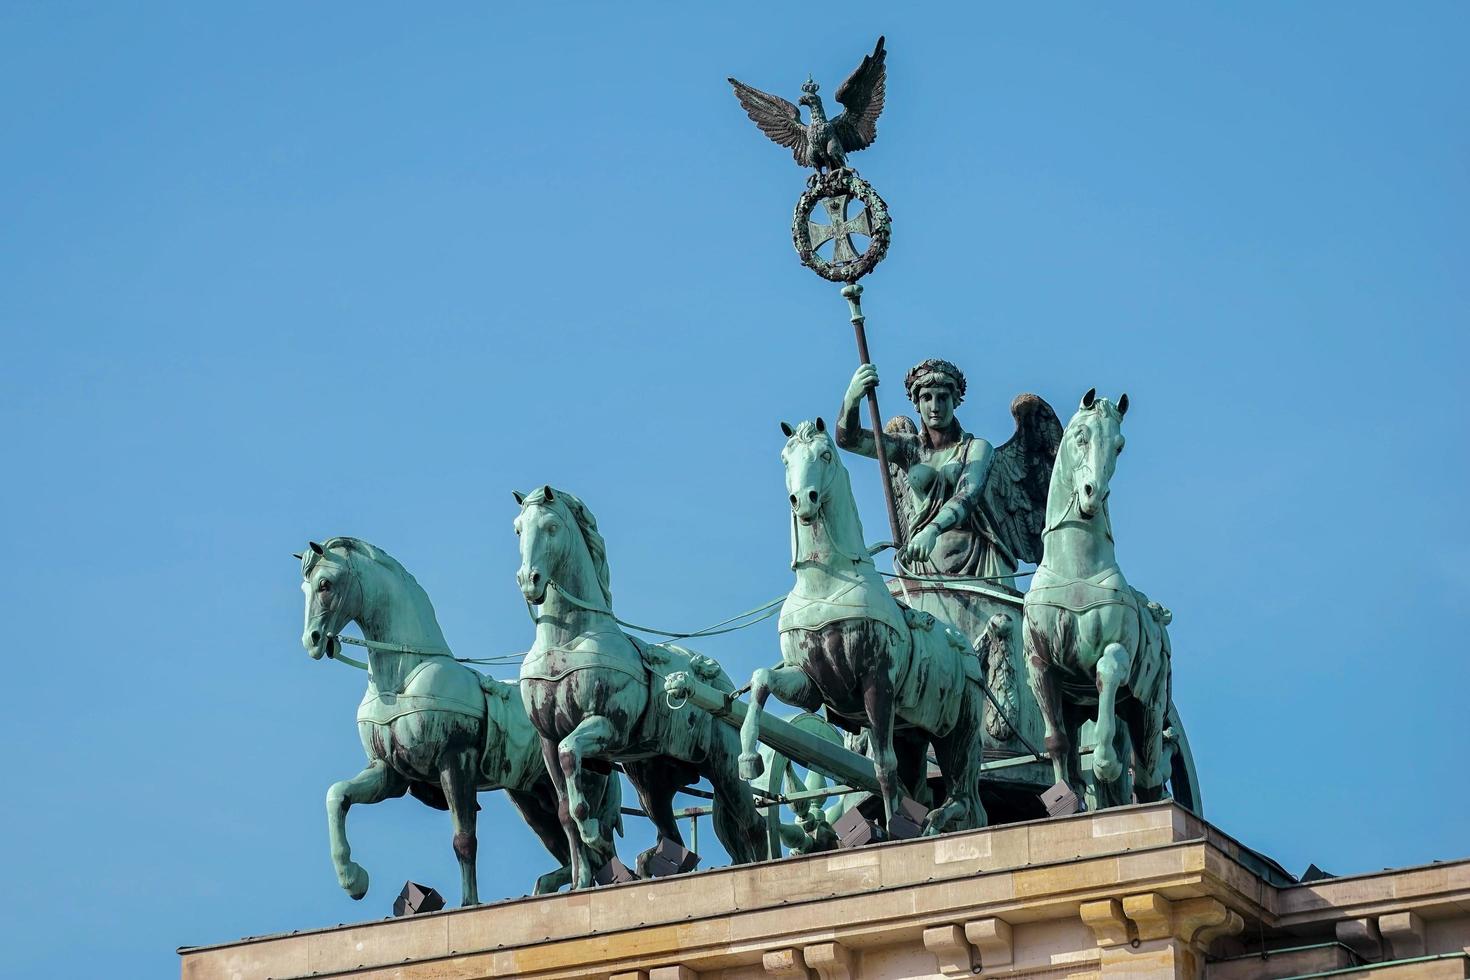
<point x="375" y="783"/>
<point x="878" y="706"/>
<point x="912" y="752"/>
<point x="581" y="873"/>
<point x="593" y="737"/>
<point x="1112" y="671"/>
<point x="790" y="685"/>
<point x="1041" y="678"/>
<point x="738" y="824"/>
<point x="1118" y="792"/>
<point x="459" y="777"/>
<point x="655" y="786"/>
<point x="1146" y="727"/>
<point x="960" y="755"/>
<point x="538" y="808"/>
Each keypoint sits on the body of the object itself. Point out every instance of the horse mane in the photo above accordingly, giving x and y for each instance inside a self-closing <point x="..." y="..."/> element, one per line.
<point x="807" y="431"/>
<point x="596" y="546"/>
<point x="374" y="554"/>
<point x="1104" y="405"/>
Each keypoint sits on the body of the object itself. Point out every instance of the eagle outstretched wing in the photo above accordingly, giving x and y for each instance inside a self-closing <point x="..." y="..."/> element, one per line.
<point x="1020" y="475"/>
<point x="862" y="99"/>
<point x="777" y="118"/>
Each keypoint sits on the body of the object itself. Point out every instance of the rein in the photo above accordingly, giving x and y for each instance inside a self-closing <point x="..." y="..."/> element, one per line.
<point x="768" y="609"/>
<point x="357" y="641"/>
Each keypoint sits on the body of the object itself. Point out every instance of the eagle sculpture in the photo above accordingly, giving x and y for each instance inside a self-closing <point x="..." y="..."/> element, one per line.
<point x="821" y="142"/>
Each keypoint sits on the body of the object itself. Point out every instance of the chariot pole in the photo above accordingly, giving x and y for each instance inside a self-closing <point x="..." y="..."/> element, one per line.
<point x="853" y="293"/>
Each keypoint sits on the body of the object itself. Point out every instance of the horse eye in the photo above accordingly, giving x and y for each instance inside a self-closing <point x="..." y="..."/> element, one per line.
<point x="324" y="586"/>
<point x="827" y="455"/>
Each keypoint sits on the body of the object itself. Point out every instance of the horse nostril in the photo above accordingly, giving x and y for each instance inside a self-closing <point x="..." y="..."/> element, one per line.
<point x="793" y="500"/>
<point x="535" y="578"/>
<point x="316" y="636"/>
<point x="1087" y="489"/>
<point x="812" y="495"/>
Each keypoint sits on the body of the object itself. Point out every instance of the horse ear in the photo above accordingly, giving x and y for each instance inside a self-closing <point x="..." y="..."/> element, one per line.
<point x="316" y="548"/>
<point x="520" y="497"/>
<point x="1089" y="398"/>
<point x="821" y="426"/>
<point x="787" y="430"/>
<point x="296" y="555"/>
<point x="546" y="493"/>
<point x="1123" y="404"/>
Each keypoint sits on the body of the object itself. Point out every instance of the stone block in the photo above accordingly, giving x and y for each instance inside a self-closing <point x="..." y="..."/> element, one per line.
<point x="993" y="939"/>
<point x="520" y="923"/>
<point x="665" y="900"/>
<point x="1404" y="933"/>
<point x="953" y="952"/>
<point x="832" y="961"/>
<point x="817" y="876"/>
<point x="672" y="973"/>
<point x="785" y="963"/>
<point x="378" y="944"/>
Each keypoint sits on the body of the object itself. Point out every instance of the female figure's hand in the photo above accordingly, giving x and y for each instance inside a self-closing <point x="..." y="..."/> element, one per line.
<point x="921" y="544"/>
<point x="864" y="380"/>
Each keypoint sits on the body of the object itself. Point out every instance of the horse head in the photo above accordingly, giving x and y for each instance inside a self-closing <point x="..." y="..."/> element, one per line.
<point x="333" y="595"/>
<point x="811" y="464"/>
<point x="1091" y="445"/>
<point x="559" y="544"/>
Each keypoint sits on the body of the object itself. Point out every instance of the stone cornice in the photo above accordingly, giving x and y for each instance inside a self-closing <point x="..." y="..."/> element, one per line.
<point x="1165" y="873"/>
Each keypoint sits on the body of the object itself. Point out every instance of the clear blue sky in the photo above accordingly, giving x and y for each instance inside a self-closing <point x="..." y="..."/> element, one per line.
<point x="278" y="272"/>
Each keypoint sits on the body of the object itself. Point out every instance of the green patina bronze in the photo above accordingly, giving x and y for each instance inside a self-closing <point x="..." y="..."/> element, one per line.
<point x="1096" y="647"/>
<point x="927" y="661"/>
<point x="596" y="695"/>
<point x="431" y="726"/>
<point x="846" y="644"/>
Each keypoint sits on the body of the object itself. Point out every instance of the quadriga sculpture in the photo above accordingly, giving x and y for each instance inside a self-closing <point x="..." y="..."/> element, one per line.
<point x="846" y="643"/>
<point x="596" y="694"/>
<point x="1095" y="645"/>
<point x="430" y="725"/>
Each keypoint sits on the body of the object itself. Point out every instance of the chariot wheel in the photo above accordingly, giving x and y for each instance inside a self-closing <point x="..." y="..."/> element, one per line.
<point x="1183" y="780"/>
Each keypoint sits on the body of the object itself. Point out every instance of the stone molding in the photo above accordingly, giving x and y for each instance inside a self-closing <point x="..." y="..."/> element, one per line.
<point x="1151" y="874"/>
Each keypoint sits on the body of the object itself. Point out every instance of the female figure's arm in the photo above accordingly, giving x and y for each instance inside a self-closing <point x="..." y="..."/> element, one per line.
<point x="960" y="507"/>
<point x="856" y="437"/>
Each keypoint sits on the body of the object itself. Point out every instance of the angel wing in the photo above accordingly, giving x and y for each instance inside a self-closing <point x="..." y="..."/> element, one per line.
<point x="777" y="118"/>
<point x="862" y="99"/>
<point x="1020" y="475"/>
<point x="901" y="425"/>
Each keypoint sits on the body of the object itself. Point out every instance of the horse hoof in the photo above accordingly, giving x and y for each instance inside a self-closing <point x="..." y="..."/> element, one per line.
<point x="751" y="766"/>
<point x="355" y="880"/>
<point x="1107" y="770"/>
<point x="552" y="881"/>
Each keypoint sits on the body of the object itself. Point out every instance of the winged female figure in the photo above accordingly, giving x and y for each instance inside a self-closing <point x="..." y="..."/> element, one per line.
<point x="969" y="509"/>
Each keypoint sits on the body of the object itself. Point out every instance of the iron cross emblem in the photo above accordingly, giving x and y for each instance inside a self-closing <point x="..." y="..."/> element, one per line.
<point x="840" y="228"/>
